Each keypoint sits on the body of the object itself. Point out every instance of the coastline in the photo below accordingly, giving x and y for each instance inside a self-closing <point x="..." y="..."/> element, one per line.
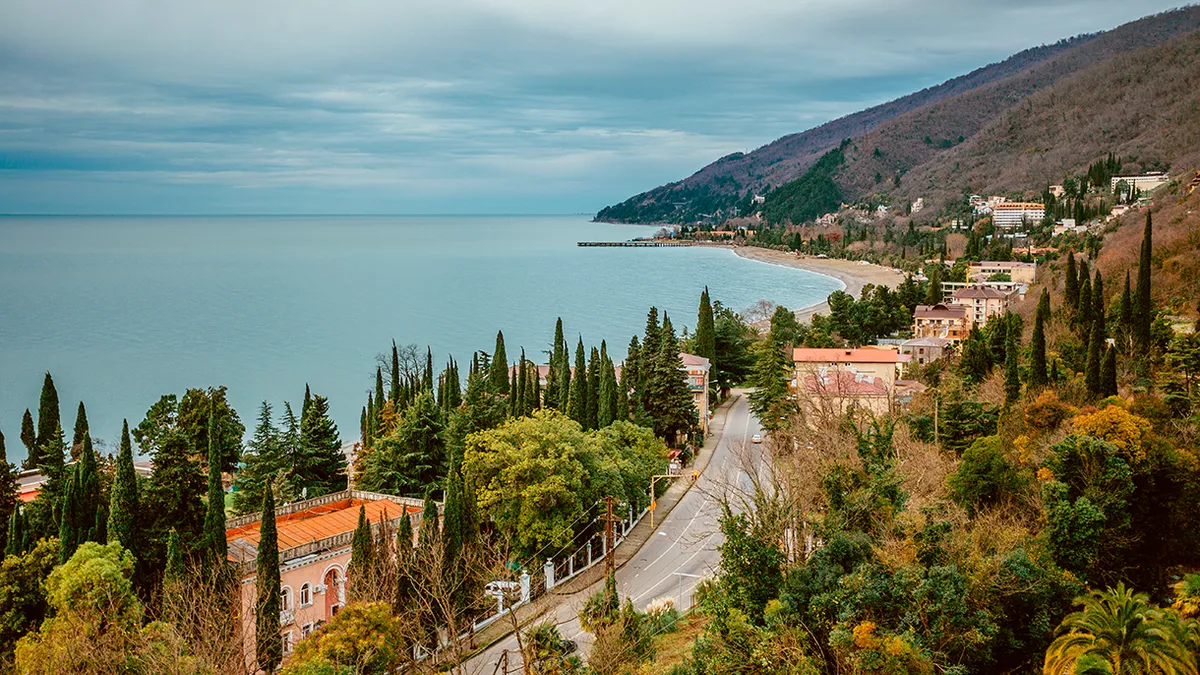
<point x="852" y="275"/>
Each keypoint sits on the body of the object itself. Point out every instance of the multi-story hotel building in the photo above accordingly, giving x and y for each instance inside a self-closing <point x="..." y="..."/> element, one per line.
<point x="1014" y="214"/>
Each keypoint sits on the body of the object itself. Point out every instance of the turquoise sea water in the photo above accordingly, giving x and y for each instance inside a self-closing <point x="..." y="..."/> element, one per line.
<point x="124" y="309"/>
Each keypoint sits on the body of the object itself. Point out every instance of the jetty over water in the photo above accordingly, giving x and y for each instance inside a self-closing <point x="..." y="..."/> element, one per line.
<point x="650" y="244"/>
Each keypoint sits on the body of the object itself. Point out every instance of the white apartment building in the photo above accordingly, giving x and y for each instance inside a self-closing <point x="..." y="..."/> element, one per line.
<point x="1013" y="214"/>
<point x="1144" y="183"/>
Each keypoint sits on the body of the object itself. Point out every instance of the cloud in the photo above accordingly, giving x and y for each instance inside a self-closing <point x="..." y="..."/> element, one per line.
<point x="459" y="105"/>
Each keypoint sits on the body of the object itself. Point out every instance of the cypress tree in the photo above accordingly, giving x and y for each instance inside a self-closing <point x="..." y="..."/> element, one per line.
<point x="498" y="372"/>
<point x="8" y="490"/>
<point x="706" y="341"/>
<point x="1125" y="330"/>
<point x="1043" y="307"/>
<point x="564" y="378"/>
<point x="268" y="646"/>
<point x="1095" y="352"/>
<point x="535" y="388"/>
<point x="362" y="557"/>
<point x="1071" y="289"/>
<point x="577" y="401"/>
<point x="933" y="295"/>
<point x="1108" y="376"/>
<point x="49" y="443"/>
<point x="29" y="440"/>
<point x="429" y="534"/>
<point x="514" y="404"/>
<point x="17" y="542"/>
<point x="1037" y="350"/>
<point x="379" y="398"/>
<point x="1143" y="310"/>
<point x="68" y="536"/>
<point x="593" y="389"/>
<point x="173" y="572"/>
<point x="363" y="432"/>
<point x="553" y="376"/>
<point x="606" y="408"/>
<point x="1086" y="305"/>
<point x="372" y="419"/>
<point x="405" y="588"/>
<point x="1012" y="376"/>
<point x="307" y="401"/>
<point x="395" y="388"/>
<point x="1098" y="309"/>
<point x="214" y="516"/>
<point x="621" y="407"/>
<point x="630" y="379"/>
<point x="123" y="498"/>
<point x="522" y="399"/>
<point x="81" y="429"/>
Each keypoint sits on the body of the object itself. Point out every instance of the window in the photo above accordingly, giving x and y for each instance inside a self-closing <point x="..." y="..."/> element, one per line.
<point x="305" y="595"/>
<point x="287" y="641"/>
<point x="285" y="598"/>
<point x="306" y="630"/>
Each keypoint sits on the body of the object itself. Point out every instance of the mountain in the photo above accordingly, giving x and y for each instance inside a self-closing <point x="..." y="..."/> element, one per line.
<point x="890" y="140"/>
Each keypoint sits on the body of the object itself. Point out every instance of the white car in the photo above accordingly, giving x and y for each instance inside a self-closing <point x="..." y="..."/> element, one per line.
<point x="756" y="438"/>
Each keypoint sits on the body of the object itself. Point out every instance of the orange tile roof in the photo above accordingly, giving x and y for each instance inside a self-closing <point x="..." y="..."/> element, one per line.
<point x="319" y="522"/>
<point x="809" y="355"/>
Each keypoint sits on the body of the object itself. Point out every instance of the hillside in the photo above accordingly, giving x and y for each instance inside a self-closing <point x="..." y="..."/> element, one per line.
<point x="895" y="137"/>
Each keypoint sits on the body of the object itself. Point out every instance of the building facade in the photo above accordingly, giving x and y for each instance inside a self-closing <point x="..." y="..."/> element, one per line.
<point x="698" y="369"/>
<point x="982" y="303"/>
<point x="944" y="321"/>
<point x="1144" y="183"/>
<point x="831" y="381"/>
<point x="1018" y="272"/>
<point x="314" y="550"/>
<point x="1015" y="214"/>
<point x="925" y="349"/>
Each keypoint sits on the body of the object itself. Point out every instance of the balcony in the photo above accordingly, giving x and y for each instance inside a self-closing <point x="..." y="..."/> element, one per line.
<point x="287" y="617"/>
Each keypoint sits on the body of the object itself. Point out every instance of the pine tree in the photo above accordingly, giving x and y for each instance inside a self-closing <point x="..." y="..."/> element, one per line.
<point x="321" y="469"/>
<point x="1095" y="352"/>
<point x="1125" y="329"/>
<point x="666" y="401"/>
<point x="29" y="440"/>
<point x="123" y="512"/>
<point x="1071" y="289"/>
<point x="81" y="429"/>
<point x="362" y="558"/>
<point x="706" y="341"/>
<point x="49" y="443"/>
<point x="8" y="491"/>
<point x="1012" y="376"/>
<point x="593" y="389"/>
<point x="214" y="517"/>
<point x="268" y="646"/>
<point x="976" y="361"/>
<point x="1143" y="310"/>
<point x="1037" y="348"/>
<point x="263" y="462"/>
<point x="498" y="372"/>
<point x="577" y="401"/>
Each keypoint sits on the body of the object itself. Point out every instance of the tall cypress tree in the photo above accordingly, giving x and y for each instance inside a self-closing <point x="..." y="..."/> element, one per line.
<point x="522" y="409"/>
<point x="1125" y="329"/>
<point x="593" y="389"/>
<point x="395" y="374"/>
<point x="1098" y="309"/>
<point x="307" y="401"/>
<point x="214" y="517"/>
<point x="8" y="490"/>
<point x="577" y="401"/>
<point x="123" y="512"/>
<point x="49" y="433"/>
<point x="1043" y="307"/>
<point x="379" y="396"/>
<point x="1012" y="376"/>
<point x="933" y="294"/>
<point x="706" y="340"/>
<point x="1071" y="288"/>
<point x="405" y="588"/>
<point x="79" y="502"/>
<point x="498" y="371"/>
<point x="173" y="572"/>
<point x="564" y="377"/>
<point x="29" y="440"/>
<point x="606" y="408"/>
<point x="1108" y="375"/>
<point x="514" y="403"/>
<point x="429" y="535"/>
<point x="81" y="429"/>
<point x="1037" y="349"/>
<point x="17" y="542"/>
<point x="554" y="383"/>
<point x="268" y="647"/>
<point x="1143" y="310"/>
<point x="362" y="557"/>
<point x="1086" y="305"/>
<point x="1095" y="353"/>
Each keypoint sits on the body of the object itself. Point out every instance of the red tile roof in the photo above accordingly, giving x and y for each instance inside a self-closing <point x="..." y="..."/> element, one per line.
<point x="807" y="355"/>
<point x="973" y="292"/>
<point x="693" y="360"/>
<point x="940" y="311"/>
<point x="319" y="522"/>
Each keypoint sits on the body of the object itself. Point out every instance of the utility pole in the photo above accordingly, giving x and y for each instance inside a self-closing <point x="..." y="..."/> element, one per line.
<point x="610" y="563"/>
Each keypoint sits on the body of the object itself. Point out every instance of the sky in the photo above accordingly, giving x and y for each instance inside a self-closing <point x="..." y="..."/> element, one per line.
<point x="453" y="106"/>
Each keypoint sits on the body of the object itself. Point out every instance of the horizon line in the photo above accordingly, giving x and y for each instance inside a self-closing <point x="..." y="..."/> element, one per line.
<point x="294" y="215"/>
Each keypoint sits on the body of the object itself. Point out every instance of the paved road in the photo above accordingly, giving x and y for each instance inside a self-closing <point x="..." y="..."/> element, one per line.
<point x="683" y="550"/>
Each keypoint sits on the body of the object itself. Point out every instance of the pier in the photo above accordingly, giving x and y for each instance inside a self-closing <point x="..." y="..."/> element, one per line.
<point x="650" y="244"/>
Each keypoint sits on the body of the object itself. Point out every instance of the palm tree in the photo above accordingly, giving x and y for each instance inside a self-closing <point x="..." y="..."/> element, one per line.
<point x="1118" y="632"/>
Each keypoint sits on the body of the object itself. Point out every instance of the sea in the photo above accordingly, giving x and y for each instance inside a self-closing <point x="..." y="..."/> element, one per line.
<point x="122" y="310"/>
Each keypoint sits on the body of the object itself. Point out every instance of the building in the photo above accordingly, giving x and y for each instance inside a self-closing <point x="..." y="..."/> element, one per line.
<point x="1058" y="191"/>
<point x="1020" y="272"/>
<point x="917" y="206"/>
<point x="698" y="369"/>
<point x="1015" y="214"/>
<point x="926" y="349"/>
<point x="982" y="303"/>
<point x="942" y="321"/>
<point x="30" y="481"/>
<point x="314" y="551"/>
<point x="1144" y="183"/>
<point x="830" y="381"/>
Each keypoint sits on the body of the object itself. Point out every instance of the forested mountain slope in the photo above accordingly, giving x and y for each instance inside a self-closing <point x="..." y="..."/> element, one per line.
<point x="907" y="132"/>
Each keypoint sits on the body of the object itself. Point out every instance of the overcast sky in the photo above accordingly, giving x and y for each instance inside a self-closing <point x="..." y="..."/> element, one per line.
<point x="453" y="106"/>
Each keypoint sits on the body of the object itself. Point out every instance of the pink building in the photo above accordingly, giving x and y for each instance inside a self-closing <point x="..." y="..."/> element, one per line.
<point x="314" y="549"/>
<point x="698" y="369"/>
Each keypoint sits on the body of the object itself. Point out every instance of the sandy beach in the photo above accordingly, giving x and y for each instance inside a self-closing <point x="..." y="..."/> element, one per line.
<point x="852" y="273"/>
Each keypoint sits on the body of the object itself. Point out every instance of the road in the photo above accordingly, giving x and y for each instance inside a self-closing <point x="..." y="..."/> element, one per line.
<point x="682" y="551"/>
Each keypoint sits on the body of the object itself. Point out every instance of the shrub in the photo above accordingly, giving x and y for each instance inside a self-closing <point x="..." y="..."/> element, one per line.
<point x="363" y="636"/>
<point x="1047" y="412"/>
<point x="1117" y="426"/>
<point x="984" y="477"/>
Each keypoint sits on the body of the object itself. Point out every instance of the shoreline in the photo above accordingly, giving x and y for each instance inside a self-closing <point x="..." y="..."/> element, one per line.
<point x="850" y="273"/>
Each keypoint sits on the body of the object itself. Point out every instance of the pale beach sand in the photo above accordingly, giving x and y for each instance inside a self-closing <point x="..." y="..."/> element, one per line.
<point x="851" y="273"/>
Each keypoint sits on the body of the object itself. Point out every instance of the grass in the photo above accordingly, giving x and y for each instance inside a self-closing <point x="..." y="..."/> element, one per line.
<point x="671" y="648"/>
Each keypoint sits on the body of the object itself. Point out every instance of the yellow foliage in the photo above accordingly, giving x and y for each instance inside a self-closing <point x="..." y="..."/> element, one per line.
<point x="1021" y="443"/>
<point x="1117" y="426"/>
<point x="1045" y="475"/>
<point x="864" y="636"/>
